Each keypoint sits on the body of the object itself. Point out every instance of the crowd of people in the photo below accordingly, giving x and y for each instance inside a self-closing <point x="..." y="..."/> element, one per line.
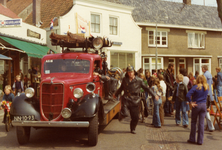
<point x="187" y="94"/>
<point x="19" y="86"/>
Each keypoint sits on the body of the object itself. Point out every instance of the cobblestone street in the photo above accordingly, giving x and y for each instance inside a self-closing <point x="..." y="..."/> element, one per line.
<point x="172" y="137"/>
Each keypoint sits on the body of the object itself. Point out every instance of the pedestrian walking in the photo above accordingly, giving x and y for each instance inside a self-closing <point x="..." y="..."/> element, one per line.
<point x="208" y="77"/>
<point x="131" y="85"/>
<point x="219" y="82"/>
<point x="161" y="110"/>
<point x="169" y="80"/>
<point x="199" y="93"/>
<point x="179" y="97"/>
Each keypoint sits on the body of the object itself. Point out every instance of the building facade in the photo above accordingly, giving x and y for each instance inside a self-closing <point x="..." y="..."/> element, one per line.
<point x="24" y="43"/>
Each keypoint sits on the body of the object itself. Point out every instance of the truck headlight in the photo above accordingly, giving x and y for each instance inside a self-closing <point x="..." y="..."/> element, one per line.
<point x="78" y="93"/>
<point x="90" y="87"/>
<point x="66" y="113"/>
<point x="97" y="43"/>
<point x="29" y="92"/>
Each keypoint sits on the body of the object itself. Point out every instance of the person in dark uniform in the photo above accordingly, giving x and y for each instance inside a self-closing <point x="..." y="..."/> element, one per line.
<point x="131" y="85"/>
<point x="104" y="64"/>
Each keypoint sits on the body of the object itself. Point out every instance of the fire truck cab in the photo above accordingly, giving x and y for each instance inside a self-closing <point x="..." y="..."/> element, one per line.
<point x="71" y="95"/>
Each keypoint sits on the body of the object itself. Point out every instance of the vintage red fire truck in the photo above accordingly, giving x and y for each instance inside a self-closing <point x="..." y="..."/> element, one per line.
<point x="71" y="95"/>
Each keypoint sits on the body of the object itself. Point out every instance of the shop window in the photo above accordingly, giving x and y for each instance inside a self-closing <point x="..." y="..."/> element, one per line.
<point x="122" y="60"/>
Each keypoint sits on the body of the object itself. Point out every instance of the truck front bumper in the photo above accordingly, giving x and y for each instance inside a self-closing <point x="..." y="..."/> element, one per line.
<point x="51" y="123"/>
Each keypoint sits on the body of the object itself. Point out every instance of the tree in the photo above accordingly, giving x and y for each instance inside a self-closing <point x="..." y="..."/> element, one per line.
<point x="219" y="8"/>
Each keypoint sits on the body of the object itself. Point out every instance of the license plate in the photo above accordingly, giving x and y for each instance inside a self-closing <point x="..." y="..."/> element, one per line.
<point x="24" y="118"/>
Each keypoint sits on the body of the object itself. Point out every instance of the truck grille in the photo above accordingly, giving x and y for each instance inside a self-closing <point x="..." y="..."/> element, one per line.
<point x="52" y="100"/>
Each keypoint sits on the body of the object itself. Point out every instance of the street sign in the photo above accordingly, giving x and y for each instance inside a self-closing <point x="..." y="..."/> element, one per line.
<point x="11" y="23"/>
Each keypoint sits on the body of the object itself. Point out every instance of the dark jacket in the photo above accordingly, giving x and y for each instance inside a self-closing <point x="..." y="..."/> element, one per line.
<point x="9" y="97"/>
<point x="132" y="89"/>
<point x="219" y="79"/>
<point x="168" y="82"/>
<point x="181" y="93"/>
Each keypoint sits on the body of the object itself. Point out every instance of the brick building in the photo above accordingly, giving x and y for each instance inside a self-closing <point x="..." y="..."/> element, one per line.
<point x="188" y="35"/>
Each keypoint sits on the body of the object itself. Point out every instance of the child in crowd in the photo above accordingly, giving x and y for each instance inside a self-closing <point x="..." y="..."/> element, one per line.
<point x="18" y="85"/>
<point x="8" y="96"/>
<point x="157" y="89"/>
<point x="179" y="97"/>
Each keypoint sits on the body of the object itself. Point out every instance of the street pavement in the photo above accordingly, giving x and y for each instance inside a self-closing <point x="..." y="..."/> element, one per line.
<point x="114" y="136"/>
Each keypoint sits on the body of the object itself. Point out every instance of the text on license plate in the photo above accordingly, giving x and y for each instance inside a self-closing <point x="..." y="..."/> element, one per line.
<point x="24" y="118"/>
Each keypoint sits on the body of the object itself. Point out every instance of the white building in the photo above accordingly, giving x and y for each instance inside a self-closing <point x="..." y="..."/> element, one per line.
<point x="105" y="19"/>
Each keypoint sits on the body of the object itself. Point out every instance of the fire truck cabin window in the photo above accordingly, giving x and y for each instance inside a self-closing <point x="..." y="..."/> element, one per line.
<point x="67" y="66"/>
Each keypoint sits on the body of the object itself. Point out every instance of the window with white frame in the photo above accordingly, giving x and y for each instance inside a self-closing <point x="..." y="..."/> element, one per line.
<point x="95" y="23"/>
<point x="196" y="40"/>
<point x="149" y="63"/>
<point x="199" y="62"/>
<point x="113" y="26"/>
<point x="220" y="62"/>
<point x="161" y="38"/>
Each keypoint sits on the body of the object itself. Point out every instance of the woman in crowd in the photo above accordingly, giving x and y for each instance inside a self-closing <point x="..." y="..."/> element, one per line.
<point x="199" y="94"/>
<point x="161" y="110"/>
<point x="157" y="89"/>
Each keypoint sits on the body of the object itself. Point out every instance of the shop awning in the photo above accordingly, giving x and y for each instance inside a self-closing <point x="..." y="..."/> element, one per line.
<point x="3" y="57"/>
<point x="32" y="50"/>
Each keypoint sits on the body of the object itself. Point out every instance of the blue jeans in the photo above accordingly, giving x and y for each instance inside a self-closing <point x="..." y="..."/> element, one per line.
<point x="181" y="106"/>
<point x="219" y="90"/>
<point x="198" y="112"/>
<point x="215" y="95"/>
<point x="156" y="116"/>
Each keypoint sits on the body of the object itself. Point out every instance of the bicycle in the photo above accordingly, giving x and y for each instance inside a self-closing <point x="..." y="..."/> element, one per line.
<point x="8" y="122"/>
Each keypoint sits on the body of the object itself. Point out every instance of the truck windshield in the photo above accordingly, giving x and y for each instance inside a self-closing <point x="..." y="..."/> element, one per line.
<point x="66" y="65"/>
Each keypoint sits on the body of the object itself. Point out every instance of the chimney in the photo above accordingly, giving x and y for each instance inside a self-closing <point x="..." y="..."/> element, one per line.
<point x="187" y="2"/>
<point x="36" y="12"/>
<point x="3" y="2"/>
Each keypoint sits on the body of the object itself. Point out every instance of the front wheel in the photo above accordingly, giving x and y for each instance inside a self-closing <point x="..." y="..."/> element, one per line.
<point x="93" y="131"/>
<point x="23" y="134"/>
<point x="7" y="123"/>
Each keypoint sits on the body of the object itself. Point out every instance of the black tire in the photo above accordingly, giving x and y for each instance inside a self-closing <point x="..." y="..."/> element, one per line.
<point x="23" y="134"/>
<point x="93" y="131"/>
<point x="7" y="124"/>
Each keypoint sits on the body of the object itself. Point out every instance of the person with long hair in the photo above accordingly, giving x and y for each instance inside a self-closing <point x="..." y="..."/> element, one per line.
<point x="157" y="89"/>
<point x="199" y="94"/>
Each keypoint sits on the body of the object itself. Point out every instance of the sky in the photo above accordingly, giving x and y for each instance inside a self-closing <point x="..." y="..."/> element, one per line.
<point x="199" y="2"/>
